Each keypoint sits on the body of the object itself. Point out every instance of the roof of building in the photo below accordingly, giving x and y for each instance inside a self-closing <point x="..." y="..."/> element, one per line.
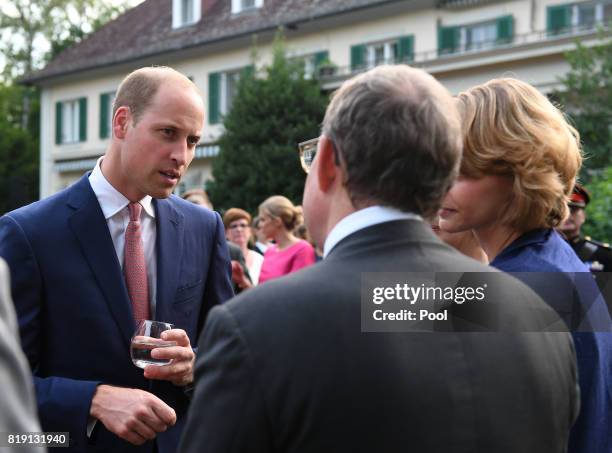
<point x="146" y="31"/>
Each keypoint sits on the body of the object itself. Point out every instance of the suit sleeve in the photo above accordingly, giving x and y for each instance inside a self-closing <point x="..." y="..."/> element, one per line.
<point x="218" y="287"/>
<point x="63" y="404"/>
<point x="19" y="407"/>
<point x="228" y="411"/>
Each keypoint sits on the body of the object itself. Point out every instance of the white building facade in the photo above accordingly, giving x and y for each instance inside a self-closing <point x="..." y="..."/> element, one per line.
<point x="460" y="42"/>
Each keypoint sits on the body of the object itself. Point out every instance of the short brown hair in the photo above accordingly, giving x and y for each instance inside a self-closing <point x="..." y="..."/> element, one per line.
<point x="233" y="214"/>
<point x="398" y="135"/>
<point x="139" y="87"/>
<point x="512" y="129"/>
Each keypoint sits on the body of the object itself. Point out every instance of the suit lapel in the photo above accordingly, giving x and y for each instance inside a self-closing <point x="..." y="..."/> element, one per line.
<point x="90" y="228"/>
<point x="170" y="229"/>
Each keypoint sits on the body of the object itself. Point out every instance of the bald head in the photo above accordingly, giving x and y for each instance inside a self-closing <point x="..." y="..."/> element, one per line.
<point x="139" y="88"/>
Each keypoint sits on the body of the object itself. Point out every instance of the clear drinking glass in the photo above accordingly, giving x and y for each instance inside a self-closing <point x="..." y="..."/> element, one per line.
<point x="145" y="339"/>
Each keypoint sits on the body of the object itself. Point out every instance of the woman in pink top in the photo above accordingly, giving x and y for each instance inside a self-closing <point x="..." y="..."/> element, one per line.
<point x="278" y="218"/>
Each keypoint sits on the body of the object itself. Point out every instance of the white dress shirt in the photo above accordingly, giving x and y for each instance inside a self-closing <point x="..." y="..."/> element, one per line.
<point x="115" y="209"/>
<point x="361" y="219"/>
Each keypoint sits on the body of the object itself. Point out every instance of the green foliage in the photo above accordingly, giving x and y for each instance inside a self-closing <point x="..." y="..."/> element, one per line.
<point x="18" y="148"/>
<point x="587" y="97"/>
<point x="25" y="24"/>
<point x="269" y="116"/>
<point x="598" y="223"/>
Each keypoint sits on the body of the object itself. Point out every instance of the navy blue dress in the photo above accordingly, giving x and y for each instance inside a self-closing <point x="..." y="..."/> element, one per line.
<point x="570" y="289"/>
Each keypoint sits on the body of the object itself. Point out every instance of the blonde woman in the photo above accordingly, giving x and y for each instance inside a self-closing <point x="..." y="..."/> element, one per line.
<point x="278" y="217"/>
<point x="237" y="224"/>
<point x="463" y="241"/>
<point x="519" y="165"/>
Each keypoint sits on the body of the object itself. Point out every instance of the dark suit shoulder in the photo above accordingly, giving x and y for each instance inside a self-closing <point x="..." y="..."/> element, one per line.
<point x="191" y="210"/>
<point x="332" y="288"/>
<point x="42" y="209"/>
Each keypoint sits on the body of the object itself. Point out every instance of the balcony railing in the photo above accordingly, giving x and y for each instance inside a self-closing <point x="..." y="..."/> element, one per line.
<point x="420" y="59"/>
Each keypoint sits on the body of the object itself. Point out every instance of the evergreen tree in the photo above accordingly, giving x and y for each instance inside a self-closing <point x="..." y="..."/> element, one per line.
<point x="269" y="116"/>
<point x="599" y="211"/>
<point x="587" y="98"/>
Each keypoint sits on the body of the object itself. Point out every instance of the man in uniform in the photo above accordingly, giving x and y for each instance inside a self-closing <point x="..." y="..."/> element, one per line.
<point x="596" y="255"/>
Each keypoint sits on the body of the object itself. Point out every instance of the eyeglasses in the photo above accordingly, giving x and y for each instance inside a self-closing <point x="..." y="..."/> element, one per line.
<point x="238" y="225"/>
<point x="308" y="151"/>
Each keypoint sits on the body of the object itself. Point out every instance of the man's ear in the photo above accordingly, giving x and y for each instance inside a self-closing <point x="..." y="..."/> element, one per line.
<point x="327" y="170"/>
<point x="121" y="120"/>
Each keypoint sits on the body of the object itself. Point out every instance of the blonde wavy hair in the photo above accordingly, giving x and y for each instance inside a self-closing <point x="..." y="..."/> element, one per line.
<point x="281" y="207"/>
<point x="511" y="129"/>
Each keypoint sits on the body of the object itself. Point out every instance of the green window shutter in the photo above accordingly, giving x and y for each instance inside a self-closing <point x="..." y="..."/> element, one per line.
<point x="505" y="29"/>
<point x="321" y="57"/>
<point x="249" y="70"/>
<point x="406" y="49"/>
<point x="104" y="113"/>
<point x="357" y="57"/>
<point x="58" y="123"/>
<point x="214" y="80"/>
<point x="83" y="119"/>
<point x="448" y="40"/>
<point x="558" y="18"/>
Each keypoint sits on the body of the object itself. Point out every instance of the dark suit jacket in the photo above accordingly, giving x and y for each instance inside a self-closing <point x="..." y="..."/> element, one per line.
<point x="74" y="311"/>
<point x="284" y="367"/>
<point x="236" y="255"/>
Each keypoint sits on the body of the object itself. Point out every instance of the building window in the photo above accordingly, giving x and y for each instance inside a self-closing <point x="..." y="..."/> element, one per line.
<point x="71" y="121"/>
<point x="185" y="12"/>
<point x="479" y="36"/>
<point x="239" y="6"/>
<point x="229" y="84"/>
<point x="578" y="16"/>
<point x="381" y="53"/>
<point x="398" y="50"/>
<point x="313" y="63"/>
<point x="222" y="87"/>
<point x="106" y="114"/>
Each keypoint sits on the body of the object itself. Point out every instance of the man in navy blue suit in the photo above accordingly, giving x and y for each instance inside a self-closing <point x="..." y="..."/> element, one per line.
<point x="67" y="255"/>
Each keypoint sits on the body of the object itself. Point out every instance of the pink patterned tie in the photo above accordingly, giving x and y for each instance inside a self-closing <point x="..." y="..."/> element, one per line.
<point x="135" y="268"/>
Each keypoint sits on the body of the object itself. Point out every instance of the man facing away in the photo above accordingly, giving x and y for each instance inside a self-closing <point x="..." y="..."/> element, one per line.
<point x="285" y="366"/>
<point x="116" y="247"/>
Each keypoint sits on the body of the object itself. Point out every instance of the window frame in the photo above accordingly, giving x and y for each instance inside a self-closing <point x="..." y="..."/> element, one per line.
<point x="362" y="56"/>
<point x="71" y="121"/>
<point x="453" y="39"/>
<point x="239" y="7"/>
<point x="179" y="12"/>
<point x="105" y="129"/>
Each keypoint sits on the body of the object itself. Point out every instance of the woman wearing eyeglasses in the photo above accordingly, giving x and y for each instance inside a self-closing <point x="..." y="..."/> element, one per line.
<point x="278" y="217"/>
<point x="237" y="224"/>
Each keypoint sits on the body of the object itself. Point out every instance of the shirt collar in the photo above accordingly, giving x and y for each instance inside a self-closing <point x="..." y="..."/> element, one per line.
<point x="533" y="237"/>
<point x="361" y="219"/>
<point x="111" y="200"/>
